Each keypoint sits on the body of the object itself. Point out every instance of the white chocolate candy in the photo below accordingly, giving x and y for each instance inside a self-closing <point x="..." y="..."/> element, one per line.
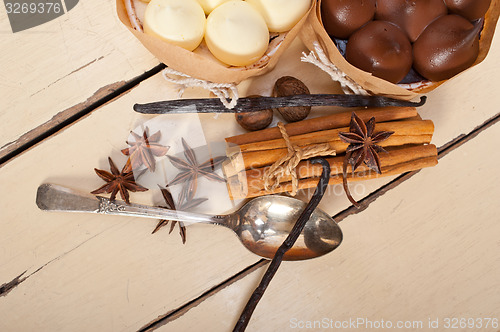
<point x="180" y="22"/>
<point x="281" y="15"/>
<point x="236" y="33"/>
<point x="209" y="5"/>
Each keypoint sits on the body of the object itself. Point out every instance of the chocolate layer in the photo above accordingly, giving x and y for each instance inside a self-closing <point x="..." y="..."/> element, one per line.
<point x="470" y="9"/>
<point x="411" y="16"/>
<point x="448" y="46"/>
<point x="342" y="17"/>
<point x="382" y="49"/>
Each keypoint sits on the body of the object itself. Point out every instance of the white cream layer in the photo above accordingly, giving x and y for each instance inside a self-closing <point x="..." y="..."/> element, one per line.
<point x="281" y="15"/>
<point x="209" y="5"/>
<point x="236" y="33"/>
<point x="180" y="22"/>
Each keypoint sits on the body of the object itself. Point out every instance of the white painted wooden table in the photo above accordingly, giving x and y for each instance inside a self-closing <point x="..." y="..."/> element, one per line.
<point x="425" y="250"/>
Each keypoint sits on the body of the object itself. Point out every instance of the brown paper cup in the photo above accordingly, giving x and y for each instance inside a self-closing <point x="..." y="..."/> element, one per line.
<point x="200" y="64"/>
<point x="313" y="31"/>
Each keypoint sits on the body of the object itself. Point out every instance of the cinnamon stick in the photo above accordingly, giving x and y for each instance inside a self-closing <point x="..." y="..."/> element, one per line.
<point x="305" y="169"/>
<point x="256" y="159"/>
<point x="333" y="121"/>
<point x="399" y="160"/>
<point x="400" y="128"/>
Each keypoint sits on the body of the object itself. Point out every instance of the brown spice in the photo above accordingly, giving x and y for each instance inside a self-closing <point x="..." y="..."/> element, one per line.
<point x="117" y="181"/>
<point x="256" y="120"/>
<point x="362" y="147"/>
<point x="191" y="170"/>
<point x="143" y="149"/>
<point x="290" y="86"/>
<point x="183" y="205"/>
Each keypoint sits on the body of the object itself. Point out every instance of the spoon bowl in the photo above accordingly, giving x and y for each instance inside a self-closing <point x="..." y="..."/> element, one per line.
<point x="262" y="224"/>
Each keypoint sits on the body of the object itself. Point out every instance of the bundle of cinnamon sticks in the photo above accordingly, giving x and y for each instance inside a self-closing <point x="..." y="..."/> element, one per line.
<point x="251" y="154"/>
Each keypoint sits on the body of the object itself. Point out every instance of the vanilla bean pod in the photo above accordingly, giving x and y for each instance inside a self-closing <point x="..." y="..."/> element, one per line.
<point x="287" y="244"/>
<point x="214" y="105"/>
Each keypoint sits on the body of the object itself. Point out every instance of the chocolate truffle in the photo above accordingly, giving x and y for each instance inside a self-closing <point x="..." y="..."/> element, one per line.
<point x="448" y="46"/>
<point x="411" y="16"/>
<point x="342" y="17"/>
<point x="470" y="9"/>
<point x="382" y="49"/>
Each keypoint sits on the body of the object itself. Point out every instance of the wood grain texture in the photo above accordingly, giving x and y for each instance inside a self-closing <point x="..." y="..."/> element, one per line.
<point x="73" y="258"/>
<point x="72" y="60"/>
<point x="427" y="249"/>
<point x="457" y="113"/>
<point x="405" y="254"/>
<point x="101" y="272"/>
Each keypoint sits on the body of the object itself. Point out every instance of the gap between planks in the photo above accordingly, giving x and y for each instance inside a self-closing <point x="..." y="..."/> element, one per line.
<point x="115" y="90"/>
<point x="352" y="210"/>
<point x="442" y="152"/>
<point x="176" y="313"/>
<point x="71" y="115"/>
<point x="7" y="287"/>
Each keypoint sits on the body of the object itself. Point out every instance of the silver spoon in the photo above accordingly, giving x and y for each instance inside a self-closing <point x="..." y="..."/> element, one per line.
<point x="261" y="225"/>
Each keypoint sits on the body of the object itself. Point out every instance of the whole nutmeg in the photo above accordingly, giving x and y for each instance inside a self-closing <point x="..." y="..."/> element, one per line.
<point x="256" y="120"/>
<point x="291" y="86"/>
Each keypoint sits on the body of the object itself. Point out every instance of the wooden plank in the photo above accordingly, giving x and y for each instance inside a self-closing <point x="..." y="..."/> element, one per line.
<point x="455" y="114"/>
<point x="427" y="249"/>
<point x="100" y="260"/>
<point x="442" y="152"/>
<point x="57" y="69"/>
<point x="106" y="273"/>
<point x="100" y="272"/>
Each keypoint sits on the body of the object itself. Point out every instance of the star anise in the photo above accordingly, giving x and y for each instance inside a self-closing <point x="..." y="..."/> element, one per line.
<point x="362" y="147"/>
<point x="143" y="149"/>
<point x="191" y="170"/>
<point x="117" y="181"/>
<point x="183" y="206"/>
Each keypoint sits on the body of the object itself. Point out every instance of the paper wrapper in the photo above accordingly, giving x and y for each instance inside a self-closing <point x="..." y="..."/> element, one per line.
<point x="201" y="64"/>
<point x="313" y="31"/>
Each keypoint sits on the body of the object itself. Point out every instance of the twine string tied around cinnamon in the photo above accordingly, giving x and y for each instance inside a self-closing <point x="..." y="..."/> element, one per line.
<point x="287" y="166"/>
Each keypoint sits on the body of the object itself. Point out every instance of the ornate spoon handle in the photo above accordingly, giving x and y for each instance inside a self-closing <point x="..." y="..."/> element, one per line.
<point x="51" y="197"/>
